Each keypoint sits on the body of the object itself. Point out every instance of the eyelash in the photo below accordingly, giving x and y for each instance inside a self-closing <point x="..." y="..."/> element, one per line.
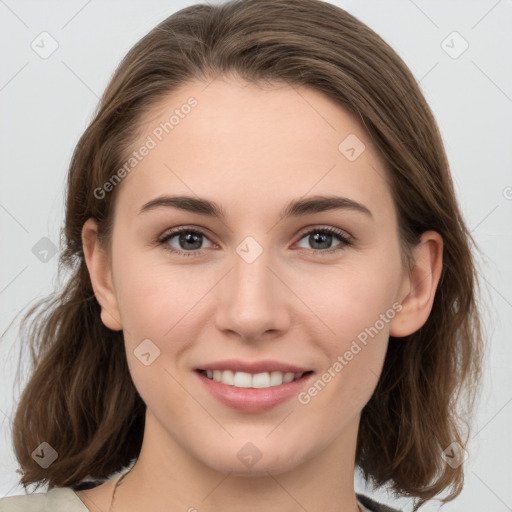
<point x="341" y="235"/>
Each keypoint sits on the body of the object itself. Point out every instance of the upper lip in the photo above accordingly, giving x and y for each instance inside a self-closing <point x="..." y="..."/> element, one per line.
<point x="236" y="365"/>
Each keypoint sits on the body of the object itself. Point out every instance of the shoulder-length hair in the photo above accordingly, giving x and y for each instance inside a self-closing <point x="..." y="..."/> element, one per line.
<point x="80" y="398"/>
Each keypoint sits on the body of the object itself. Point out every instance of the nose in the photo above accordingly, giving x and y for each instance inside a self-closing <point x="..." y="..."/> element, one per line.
<point x="253" y="301"/>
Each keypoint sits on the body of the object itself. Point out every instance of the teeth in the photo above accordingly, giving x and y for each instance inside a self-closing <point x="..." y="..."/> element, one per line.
<point x="288" y="377"/>
<point x="261" y="380"/>
<point x="228" y="377"/>
<point x="242" y="380"/>
<point x="249" y="380"/>
<point x="276" y="378"/>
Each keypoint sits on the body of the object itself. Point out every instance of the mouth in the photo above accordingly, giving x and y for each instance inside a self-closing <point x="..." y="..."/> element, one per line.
<point x="260" y="380"/>
<point x="252" y="392"/>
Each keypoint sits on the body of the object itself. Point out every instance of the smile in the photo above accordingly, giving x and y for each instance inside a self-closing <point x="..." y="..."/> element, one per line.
<point x="248" y="380"/>
<point x="253" y="386"/>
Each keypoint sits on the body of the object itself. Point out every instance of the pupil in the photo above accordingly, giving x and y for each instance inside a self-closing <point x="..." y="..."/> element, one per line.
<point x="189" y="238"/>
<point x="318" y="237"/>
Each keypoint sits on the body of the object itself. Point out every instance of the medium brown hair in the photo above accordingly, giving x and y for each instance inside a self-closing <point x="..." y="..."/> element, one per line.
<point x="81" y="399"/>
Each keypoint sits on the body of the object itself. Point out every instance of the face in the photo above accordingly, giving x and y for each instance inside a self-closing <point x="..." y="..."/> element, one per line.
<point x="311" y="289"/>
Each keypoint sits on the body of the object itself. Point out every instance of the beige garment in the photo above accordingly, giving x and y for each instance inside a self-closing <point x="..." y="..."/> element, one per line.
<point x="58" y="499"/>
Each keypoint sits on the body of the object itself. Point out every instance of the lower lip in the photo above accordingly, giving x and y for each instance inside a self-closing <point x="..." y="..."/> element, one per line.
<point x="253" y="399"/>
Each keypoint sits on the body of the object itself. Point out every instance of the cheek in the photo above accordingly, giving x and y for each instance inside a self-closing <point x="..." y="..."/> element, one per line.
<point x="153" y="295"/>
<point x="356" y="306"/>
<point x="352" y="299"/>
<point x="156" y="303"/>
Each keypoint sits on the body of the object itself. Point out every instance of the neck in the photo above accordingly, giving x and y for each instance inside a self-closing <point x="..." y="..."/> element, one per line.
<point x="166" y="477"/>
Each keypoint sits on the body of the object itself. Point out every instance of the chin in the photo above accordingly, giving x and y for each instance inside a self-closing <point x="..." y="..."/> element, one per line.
<point x="248" y="460"/>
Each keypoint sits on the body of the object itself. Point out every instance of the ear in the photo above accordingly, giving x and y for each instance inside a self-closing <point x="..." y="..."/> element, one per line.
<point x="100" y="273"/>
<point x="419" y="286"/>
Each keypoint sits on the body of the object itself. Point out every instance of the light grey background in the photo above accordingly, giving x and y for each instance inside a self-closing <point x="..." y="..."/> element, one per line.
<point x="47" y="103"/>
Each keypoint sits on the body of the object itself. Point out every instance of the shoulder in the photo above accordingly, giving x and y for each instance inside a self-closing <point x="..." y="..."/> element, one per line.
<point x="59" y="499"/>
<point x="374" y="506"/>
<point x="24" y="503"/>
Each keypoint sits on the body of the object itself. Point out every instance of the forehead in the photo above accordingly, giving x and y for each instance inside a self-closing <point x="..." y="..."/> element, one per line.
<point x="253" y="147"/>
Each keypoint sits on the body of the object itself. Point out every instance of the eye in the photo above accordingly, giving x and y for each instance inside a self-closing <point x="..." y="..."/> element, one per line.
<point x="321" y="239"/>
<point x="188" y="241"/>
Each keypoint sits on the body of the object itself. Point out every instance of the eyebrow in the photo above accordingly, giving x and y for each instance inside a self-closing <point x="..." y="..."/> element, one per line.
<point x="295" y="208"/>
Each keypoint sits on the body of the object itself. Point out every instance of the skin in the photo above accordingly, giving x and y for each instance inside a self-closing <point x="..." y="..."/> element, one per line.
<point x="252" y="150"/>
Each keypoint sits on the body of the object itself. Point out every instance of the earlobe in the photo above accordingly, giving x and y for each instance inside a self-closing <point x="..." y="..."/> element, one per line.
<point x="101" y="276"/>
<point x="419" y="286"/>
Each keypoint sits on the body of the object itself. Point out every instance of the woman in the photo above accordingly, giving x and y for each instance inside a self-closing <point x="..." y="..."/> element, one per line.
<point x="272" y="281"/>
